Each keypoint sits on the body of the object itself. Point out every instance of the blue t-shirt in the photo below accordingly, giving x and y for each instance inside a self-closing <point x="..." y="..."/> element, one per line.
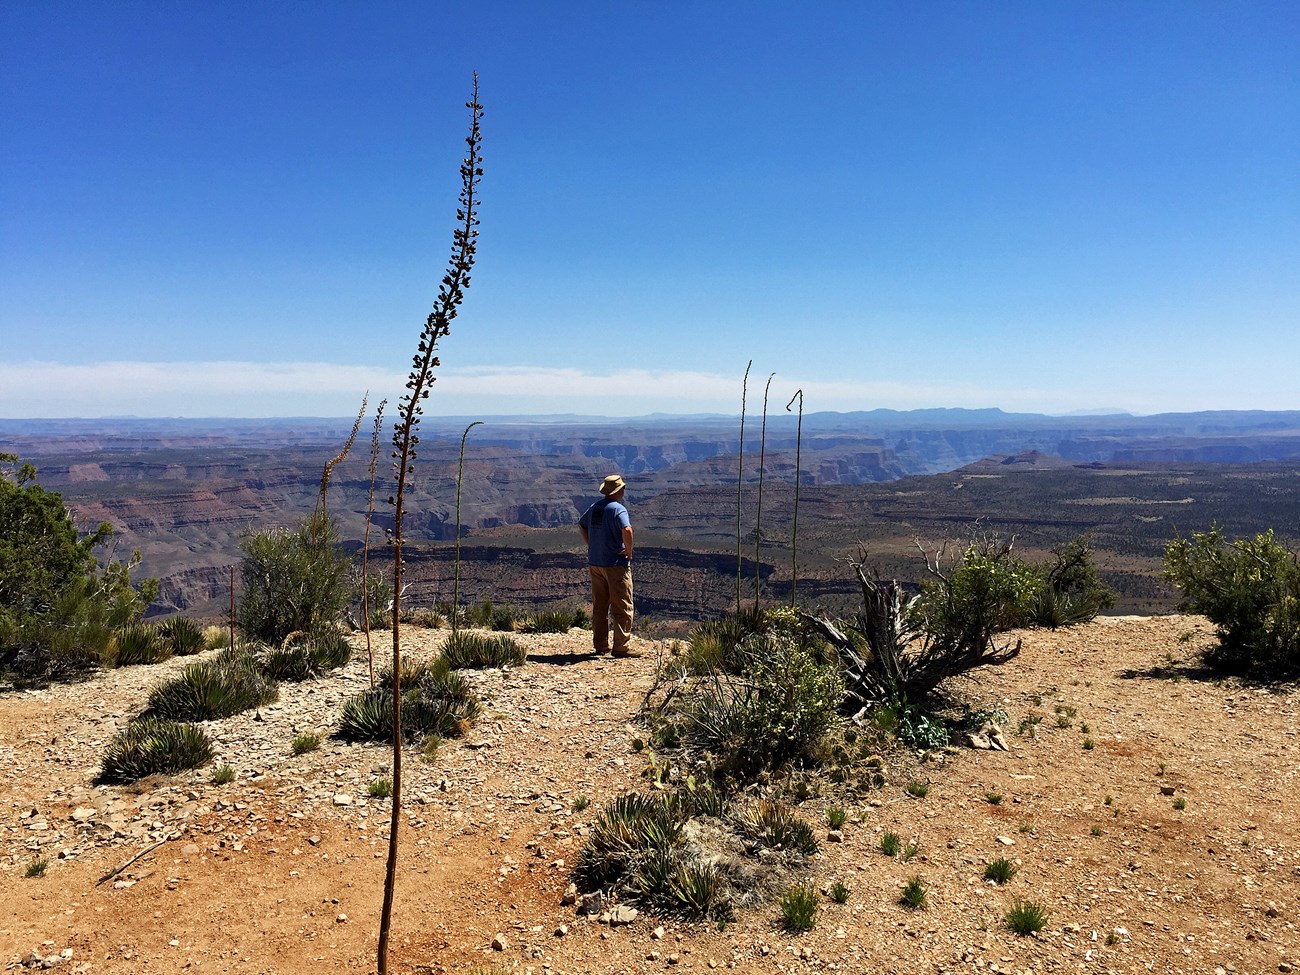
<point x="605" y="521"/>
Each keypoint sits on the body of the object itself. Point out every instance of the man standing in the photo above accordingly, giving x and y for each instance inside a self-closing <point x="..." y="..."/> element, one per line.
<point x="607" y="530"/>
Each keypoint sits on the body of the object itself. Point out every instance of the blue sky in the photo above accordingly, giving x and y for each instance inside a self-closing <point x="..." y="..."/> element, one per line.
<point x="243" y="209"/>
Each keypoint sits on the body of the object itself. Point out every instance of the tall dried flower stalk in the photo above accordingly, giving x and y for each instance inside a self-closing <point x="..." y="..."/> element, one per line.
<point x="740" y="475"/>
<point x="338" y="458"/>
<point x="798" y="467"/>
<point x="365" y="545"/>
<point x="405" y="440"/>
<point x="455" y="586"/>
<point x="758" y="520"/>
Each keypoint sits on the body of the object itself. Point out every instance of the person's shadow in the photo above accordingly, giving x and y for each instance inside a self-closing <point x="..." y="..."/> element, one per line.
<point x="561" y="657"/>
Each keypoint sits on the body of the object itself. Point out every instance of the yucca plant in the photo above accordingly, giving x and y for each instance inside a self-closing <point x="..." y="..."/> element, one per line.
<point x="231" y="682"/>
<point x="139" y="643"/>
<point x="469" y="650"/>
<point x="436" y="702"/>
<point x="460" y="473"/>
<point x="758" y="518"/>
<point x="405" y="440"/>
<point x="798" y="466"/>
<point x="550" y="621"/>
<point x="365" y="544"/>
<point x="153" y="746"/>
<point x="303" y="656"/>
<point x="740" y="475"/>
<point x="775" y="826"/>
<point x="696" y="891"/>
<point x="184" y="635"/>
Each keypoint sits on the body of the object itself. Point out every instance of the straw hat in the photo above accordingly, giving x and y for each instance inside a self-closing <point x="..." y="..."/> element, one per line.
<point x="612" y="485"/>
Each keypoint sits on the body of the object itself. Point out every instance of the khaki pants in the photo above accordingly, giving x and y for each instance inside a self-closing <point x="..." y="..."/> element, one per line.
<point x="611" y="591"/>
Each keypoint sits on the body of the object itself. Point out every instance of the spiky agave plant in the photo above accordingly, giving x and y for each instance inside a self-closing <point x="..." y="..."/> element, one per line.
<point x="406" y="438"/>
<point x="740" y="474"/>
<point x="455" y="586"/>
<point x="798" y="467"/>
<point x="758" y="519"/>
<point x="365" y="545"/>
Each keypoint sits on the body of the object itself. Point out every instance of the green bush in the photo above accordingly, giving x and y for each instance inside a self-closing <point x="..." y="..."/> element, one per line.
<point x="1249" y="589"/>
<point x="183" y="635"/>
<point x="304" y="656"/>
<point x="776" y="713"/>
<point x="471" y="650"/>
<point x="989" y="592"/>
<point x="231" y="682"/>
<point x="551" y="621"/>
<point x="1071" y="590"/>
<point x="1026" y="917"/>
<point x="152" y="746"/>
<point x="799" y="908"/>
<point x="58" y="608"/>
<point x="139" y="643"/>
<point x="293" y="580"/>
<point x="436" y="702"/>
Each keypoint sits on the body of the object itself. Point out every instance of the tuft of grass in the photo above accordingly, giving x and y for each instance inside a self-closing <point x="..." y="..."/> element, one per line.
<point x="1180" y="803"/>
<point x="1109" y="800"/>
<point x="993" y="798"/>
<point x="37" y="867"/>
<point x="839" y="893"/>
<point x="1026" y="827"/>
<point x="581" y="803"/>
<point x="1000" y="870"/>
<point x="911" y="850"/>
<point x="1088" y="744"/>
<point x="914" y="893"/>
<point x="429" y="749"/>
<point x="1026" y="917"/>
<point x="151" y="746"/>
<point x="223" y="774"/>
<point x="465" y="649"/>
<point x="799" y="908"/>
<point x="891" y="844"/>
<point x="917" y="789"/>
<point x="379" y="789"/>
<point x="308" y="741"/>
<point x="1096" y="831"/>
<point x="836" y="818"/>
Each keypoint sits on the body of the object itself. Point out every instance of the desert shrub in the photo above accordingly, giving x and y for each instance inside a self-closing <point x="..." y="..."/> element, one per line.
<point x="1070" y="589"/>
<point x="914" y="894"/>
<point x="223" y="774"/>
<point x="775" y="826"/>
<point x="37" y="867"/>
<point x="152" y="746"/>
<point x="293" y="580"/>
<point x="625" y="832"/>
<point x="504" y="619"/>
<point x="775" y="713"/>
<point x="436" y="702"/>
<point x="138" y="643"/>
<point x="550" y="621"/>
<point x="1000" y="871"/>
<point x="303" y="656"/>
<point x="58" y="607"/>
<point x="989" y="592"/>
<point x="231" y="682"/>
<point x="183" y="635"/>
<point x="380" y="789"/>
<point x="469" y="650"/>
<point x="1249" y="589"/>
<point x="216" y="637"/>
<point x="306" y="742"/>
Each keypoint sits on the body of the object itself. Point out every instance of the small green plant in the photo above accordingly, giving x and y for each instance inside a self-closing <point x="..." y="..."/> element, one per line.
<point x="229" y="683"/>
<point x="1160" y="769"/>
<point x="1095" y="831"/>
<point x="1109" y="799"/>
<point x="1084" y="728"/>
<point x="993" y="798"/>
<point x="1180" y="803"/>
<point x="473" y="650"/>
<point x="1089" y="744"/>
<point x="223" y="774"/>
<point x="891" y="844"/>
<point x="1000" y="870"/>
<point x="911" y="850"/>
<point x="183" y="634"/>
<point x="1026" y="917"/>
<point x="379" y="789"/>
<point x="1026" y="827"/>
<point x="914" y="893"/>
<point x="1112" y="939"/>
<point x="917" y="789"/>
<point x="1062" y="721"/>
<point x="308" y="741"/>
<point x="839" y="893"/>
<point x="139" y="643"/>
<point x="429" y="748"/>
<point x="581" y="803"/>
<point x="836" y="818"/>
<point x="799" y="908"/>
<point x="774" y="826"/>
<point x="151" y="746"/>
<point x="37" y="867"/>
